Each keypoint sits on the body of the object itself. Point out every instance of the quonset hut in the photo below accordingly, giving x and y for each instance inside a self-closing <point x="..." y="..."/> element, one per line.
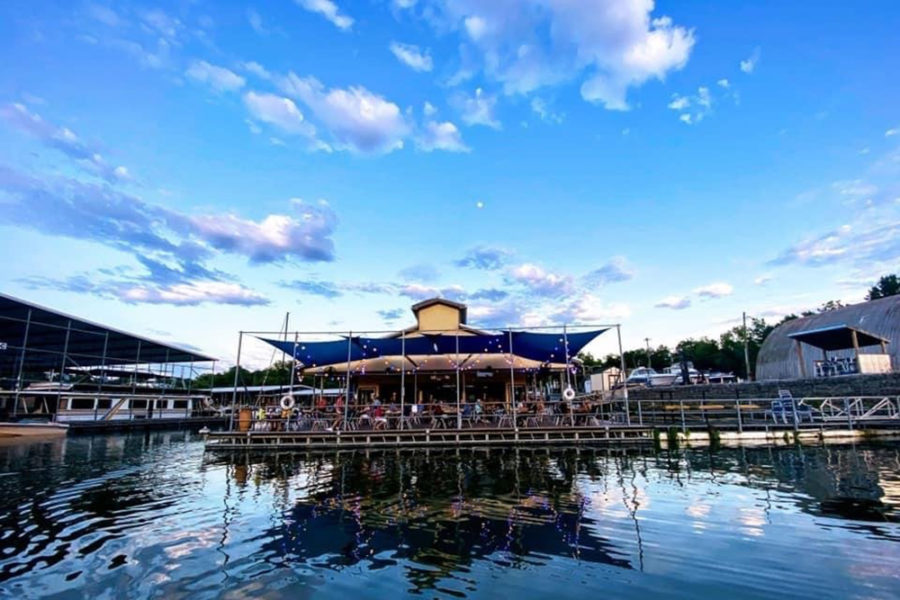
<point x="858" y="339"/>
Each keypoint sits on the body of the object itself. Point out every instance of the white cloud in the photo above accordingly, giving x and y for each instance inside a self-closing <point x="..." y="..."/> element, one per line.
<point x="611" y="46"/>
<point x="441" y="136"/>
<point x="158" y="21"/>
<point x="674" y="302"/>
<point x="874" y="240"/>
<point x="256" y="69"/>
<point x="412" y="56"/>
<point x="191" y="294"/>
<point x="329" y="10"/>
<point x="218" y="78"/>
<point x="679" y="102"/>
<point x="686" y="118"/>
<point x="64" y="140"/>
<point x="723" y="83"/>
<point x="589" y="309"/>
<point x="278" y="111"/>
<point x="749" y="65"/>
<point x="256" y="22"/>
<point x="477" y="109"/>
<point x="429" y="109"/>
<point x="615" y="270"/>
<point x="540" y="281"/>
<point x="540" y="108"/>
<point x="762" y="280"/>
<point x="714" y="290"/>
<point x="891" y="132"/>
<point x="360" y="120"/>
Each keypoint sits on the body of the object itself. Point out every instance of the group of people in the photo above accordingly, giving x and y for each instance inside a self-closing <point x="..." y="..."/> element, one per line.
<point x="377" y="415"/>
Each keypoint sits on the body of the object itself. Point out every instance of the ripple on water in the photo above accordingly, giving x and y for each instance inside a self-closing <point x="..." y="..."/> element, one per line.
<point x="153" y="516"/>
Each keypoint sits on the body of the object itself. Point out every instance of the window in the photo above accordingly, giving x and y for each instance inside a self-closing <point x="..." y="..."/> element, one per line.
<point x="82" y="403"/>
<point x="138" y="404"/>
<point x="104" y="404"/>
<point x="180" y="404"/>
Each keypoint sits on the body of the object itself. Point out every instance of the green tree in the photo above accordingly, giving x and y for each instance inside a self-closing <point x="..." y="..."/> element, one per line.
<point x="889" y="285"/>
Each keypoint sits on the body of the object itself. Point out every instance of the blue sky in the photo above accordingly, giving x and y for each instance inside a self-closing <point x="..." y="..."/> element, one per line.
<point x="187" y="169"/>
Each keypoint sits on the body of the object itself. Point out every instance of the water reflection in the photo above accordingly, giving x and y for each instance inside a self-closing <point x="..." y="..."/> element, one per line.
<point x="152" y="515"/>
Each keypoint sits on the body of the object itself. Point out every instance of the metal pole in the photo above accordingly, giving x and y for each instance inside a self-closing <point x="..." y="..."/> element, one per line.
<point x="22" y="364"/>
<point x="568" y="383"/>
<point x="402" y="376"/>
<point x="137" y="359"/>
<point x="65" y="358"/>
<point x="458" y="408"/>
<point x="512" y="381"/>
<point x="746" y="349"/>
<point x="740" y="420"/>
<point x="624" y="385"/>
<point x="237" y="370"/>
<point x="347" y="398"/>
<point x="294" y="365"/>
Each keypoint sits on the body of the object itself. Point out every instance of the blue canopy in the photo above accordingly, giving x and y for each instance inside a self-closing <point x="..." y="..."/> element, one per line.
<point x="540" y="347"/>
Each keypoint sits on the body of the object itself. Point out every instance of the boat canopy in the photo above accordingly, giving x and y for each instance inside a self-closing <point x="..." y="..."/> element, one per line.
<point x="544" y="348"/>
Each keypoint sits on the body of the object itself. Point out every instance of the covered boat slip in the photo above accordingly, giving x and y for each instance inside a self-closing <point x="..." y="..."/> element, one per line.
<point x="55" y="366"/>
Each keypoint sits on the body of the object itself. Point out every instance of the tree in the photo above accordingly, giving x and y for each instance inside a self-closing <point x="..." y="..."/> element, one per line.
<point x="889" y="285"/>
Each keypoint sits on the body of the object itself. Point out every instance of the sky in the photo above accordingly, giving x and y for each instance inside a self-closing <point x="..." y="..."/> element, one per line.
<point x="188" y="169"/>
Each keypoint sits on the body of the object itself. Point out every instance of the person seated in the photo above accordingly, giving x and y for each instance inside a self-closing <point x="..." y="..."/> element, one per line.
<point x="321" y="406"/>
<point x="378" y="417"/>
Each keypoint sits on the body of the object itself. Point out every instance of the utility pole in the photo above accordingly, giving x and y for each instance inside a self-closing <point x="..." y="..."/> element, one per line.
<point x="746" y="349"/>
<point x="647" y="341"/>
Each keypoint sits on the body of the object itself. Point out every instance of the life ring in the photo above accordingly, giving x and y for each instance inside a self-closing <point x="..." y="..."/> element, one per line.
<point x="569" y="393"/>
<point x="287" y="402"/>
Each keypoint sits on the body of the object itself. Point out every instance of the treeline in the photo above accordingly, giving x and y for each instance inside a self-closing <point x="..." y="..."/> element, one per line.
<point x="726" y="354"/>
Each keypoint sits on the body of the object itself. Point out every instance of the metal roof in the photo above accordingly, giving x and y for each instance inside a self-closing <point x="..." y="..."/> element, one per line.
<point x="46" y="340"/>
<point x="837" y="337"/>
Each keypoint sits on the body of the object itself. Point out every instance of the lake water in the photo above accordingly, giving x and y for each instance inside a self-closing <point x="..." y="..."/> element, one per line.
<point x="152" y="515"/>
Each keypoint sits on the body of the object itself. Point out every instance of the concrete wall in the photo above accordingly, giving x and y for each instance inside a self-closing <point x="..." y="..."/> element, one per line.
<point x="852" y="385"/>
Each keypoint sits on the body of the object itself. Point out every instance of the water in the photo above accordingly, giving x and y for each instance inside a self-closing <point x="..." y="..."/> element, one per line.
<point x="143" y="516"/>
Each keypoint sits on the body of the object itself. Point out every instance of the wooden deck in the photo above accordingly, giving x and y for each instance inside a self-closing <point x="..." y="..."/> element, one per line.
<point x="301" y="440"/>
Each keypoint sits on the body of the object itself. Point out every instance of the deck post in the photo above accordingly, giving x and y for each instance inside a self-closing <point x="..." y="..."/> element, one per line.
<point x="137" y="358"/>
<point x="624" y="385"/>
<point x="347" y="397"/>
<point x="681" y="407"/>
<point x="512" y="382"/>
<point x="568" y="383"/>
<point x="402" y="377"/>
<point x="237" y="370"/>
<point x="21" y="374"/>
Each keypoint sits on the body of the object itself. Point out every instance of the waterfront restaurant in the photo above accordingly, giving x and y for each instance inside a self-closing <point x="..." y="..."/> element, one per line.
<point x="442" y="360"/>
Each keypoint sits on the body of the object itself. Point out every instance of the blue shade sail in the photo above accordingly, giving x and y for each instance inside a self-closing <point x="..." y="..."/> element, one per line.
<point x="540" y="347"/>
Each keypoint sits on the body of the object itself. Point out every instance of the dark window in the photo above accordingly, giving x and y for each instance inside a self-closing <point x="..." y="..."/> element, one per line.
<point x="180" y="404"/>
<point x="104" y="404"/>
<point x="83" y="403"/>
<point x="138" y="404"/>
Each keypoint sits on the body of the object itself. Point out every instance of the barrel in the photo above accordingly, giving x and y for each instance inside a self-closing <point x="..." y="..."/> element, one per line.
<point x="244" y="418"/>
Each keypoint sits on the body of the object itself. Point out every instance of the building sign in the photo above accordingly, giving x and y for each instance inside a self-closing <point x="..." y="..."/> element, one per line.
<point x="484" y="373"/>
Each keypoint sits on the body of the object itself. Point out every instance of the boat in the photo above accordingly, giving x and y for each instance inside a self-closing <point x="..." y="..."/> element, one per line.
<point x="32" y="429"/>
<point x="649" y="377"/>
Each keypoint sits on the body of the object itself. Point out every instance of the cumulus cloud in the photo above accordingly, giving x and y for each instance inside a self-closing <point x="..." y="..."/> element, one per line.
<point x="360" y="120"/>
<point x="256" y="22"/>
<point x="218" y="78"/>
<point x="749" y="65"/>
<point x="693" y="108"/>
<point x="441" y="136"/>
<point x="714" y="290"/>
<point x="420" y="272"/>
<point x="70" y="208"/>
<point x="63" y="140"/>
<point x="611" y="46"/>
<point x="674" y="302"/>
<point x="329" y="10"/>
<point x="762" y="280"/>
<point x="412" y="56"/>
<point x="486" y="258"/>
<point x="892" y="132"/>
<point x="615" y="270"/>
<point x="390" y="315"/>
<point x="489" y="294"/>
<point x="541" y="282"/>
<point x="723" y="83"/>
<point x="587" y="308"/>
<point x="278" y="111"/>
<point x="477" y="109"/>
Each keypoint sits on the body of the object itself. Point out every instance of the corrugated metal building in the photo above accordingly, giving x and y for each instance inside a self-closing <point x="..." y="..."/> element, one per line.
<point x="778" y="358"/>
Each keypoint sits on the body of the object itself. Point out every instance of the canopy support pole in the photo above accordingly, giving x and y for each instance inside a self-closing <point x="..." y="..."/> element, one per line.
<point x="294" y="366"/>
<point x="568" y="383"/>
<point x="237" y="370"/>
<point x="347" y="397"/>
<point x="624" y="384"/>
<point x="512" y="382"/>
<point x="402" y="377"/>
<point x="22" y="364"/>
<point x="65" y="359"/>
<point x="855" y="339"/>
<point x="458" y="408"/>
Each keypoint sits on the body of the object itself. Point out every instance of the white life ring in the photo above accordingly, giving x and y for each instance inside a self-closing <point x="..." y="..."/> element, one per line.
<point x="287" y="402"/>
<point x="569" y="393"/>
